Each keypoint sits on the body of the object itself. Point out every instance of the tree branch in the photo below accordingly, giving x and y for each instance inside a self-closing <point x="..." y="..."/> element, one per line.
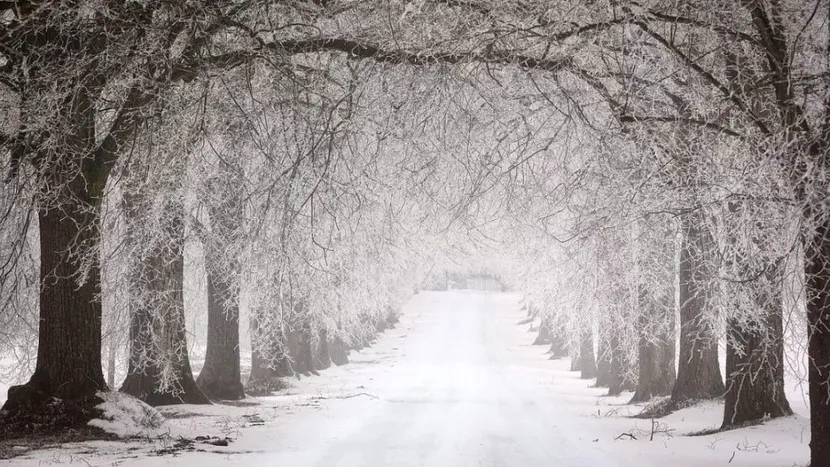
<point x="627" y="118"/>
<point x="125" y="125"/>
<point x="664" y="17"/>
<point x="708" y="76"/>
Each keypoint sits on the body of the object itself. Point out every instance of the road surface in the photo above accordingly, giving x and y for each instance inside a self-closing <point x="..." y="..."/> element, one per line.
<point x="452" y="390"/>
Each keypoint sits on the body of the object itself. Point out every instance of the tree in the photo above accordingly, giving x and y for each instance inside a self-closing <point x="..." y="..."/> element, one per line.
<point x="698" y="372"/>
<point x="159" y="368"/>
<point x="587" y="365"/>
<point x="752" y="291"/>
<point x="656" y="310"/>
<point x="62" y="63"/>
<point x="220" y="375"/>
<point x="603" y="362"/>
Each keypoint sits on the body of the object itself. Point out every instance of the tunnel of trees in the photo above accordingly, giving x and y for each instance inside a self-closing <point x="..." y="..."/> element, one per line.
<point x="303" y="168"/>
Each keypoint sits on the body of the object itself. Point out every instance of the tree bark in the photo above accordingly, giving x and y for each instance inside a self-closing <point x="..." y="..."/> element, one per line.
<point x="339" y="353"/>
<point x="587" y="365"/>
<point x="543" y="337"/>
<point x="264" y="377"/>
<point x="302" y="353"/>
<point x="392" y="317"/>
<point x="817" y="271"/>
<point x="755" y="357"/>
<point x="656" y="309"/>
<point x="603" y="363"/>
<point x="619" y="368"/>
<point x="558" y="348"/>
<point x="159" y="368"/>
<point x="698" y="373"/>
<point x="111" y="365"/>
<point x="220" y="376"/>
<point x="575" y="358"/>
<point x="322" y="357"/>
<point x="656" y="347"/>
<point x="69" y="335"/>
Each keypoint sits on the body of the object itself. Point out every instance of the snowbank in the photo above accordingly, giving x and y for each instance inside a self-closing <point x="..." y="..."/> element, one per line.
<point x="125" y="416"/>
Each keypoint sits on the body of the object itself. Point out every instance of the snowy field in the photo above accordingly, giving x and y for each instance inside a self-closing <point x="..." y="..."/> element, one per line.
<point x="456" y="383"/>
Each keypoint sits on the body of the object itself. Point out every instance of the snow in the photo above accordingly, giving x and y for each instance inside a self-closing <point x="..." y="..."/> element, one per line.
<point x="125" y="416"/>
<point x="456" y="383"/>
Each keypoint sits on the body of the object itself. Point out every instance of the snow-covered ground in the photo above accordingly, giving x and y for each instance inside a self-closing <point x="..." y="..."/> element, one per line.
<point x="455" y="384"/>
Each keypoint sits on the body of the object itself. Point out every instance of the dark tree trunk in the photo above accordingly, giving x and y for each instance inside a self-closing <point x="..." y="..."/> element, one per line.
<point x="220" y="376"/>
<point x="619" y="368"/>
<point x="392" y="318"/>
<point x="287" y="365"/>
<point x="339" y="353"/>
<point x="159" y="368"/>
<point x="322" y="357"/>
<point x="111" y="365"/>
<point x="698" y="373"/>
<point x="298" y="357"/>
<point x="575" y="359"/>
<point x="603" y="363"/>
<point x="817" y="270"/>
<point x="587" y="364"/>
<point x="755" y="358"/>
<point x="264" y="378"/>
<point x="655" y="309"/>
<point x="558" y="347"/>
<point x="656" y="347"/>
<point x="303" y="353"/>
<point x="262" y="369"/>
<point x="69" y="335"/>
<point x="71" y="169"/>
<point x="543" y="337"/>
<point x="656" y="374"/>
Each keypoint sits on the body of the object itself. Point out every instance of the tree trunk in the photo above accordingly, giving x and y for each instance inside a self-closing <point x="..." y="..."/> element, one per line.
<point x="698" y="373"/>
<point x="380" y="325"/>
<point x="575" y="358"/>
<point x="220" y="376"/>
<point x="339" y="353"/>
<point x="298" y="355"/>
<point x="264" y="377"/>
<point x="587" y="364"/>
<point x="558" y="347"/>
<point x="656" y="347"/>
<point x="817" y="270"/>
<point x="543" y="337"/>
<point x="656" y="309"/>
<point x="286" y="365"/>
<point x="755" y="358"/>
<point x="392" y="318"/>
<point x="302" y="353"/>
<point x="603" y="363"/>
<point x="656" y="374"/>
<point x="322" y="358"/>
<point x="619" y="368"/>
<point x="69" y="335"/>
<point x="111" y="364"/>
<point x="159" y="368"/>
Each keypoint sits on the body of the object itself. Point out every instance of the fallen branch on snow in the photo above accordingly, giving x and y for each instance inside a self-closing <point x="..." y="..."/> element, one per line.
<point x="347" y="396"/>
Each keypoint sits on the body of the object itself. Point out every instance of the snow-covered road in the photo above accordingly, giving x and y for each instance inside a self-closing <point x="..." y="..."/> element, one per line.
<point x="455" y="395"/>
<point x="455" y="384"/>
